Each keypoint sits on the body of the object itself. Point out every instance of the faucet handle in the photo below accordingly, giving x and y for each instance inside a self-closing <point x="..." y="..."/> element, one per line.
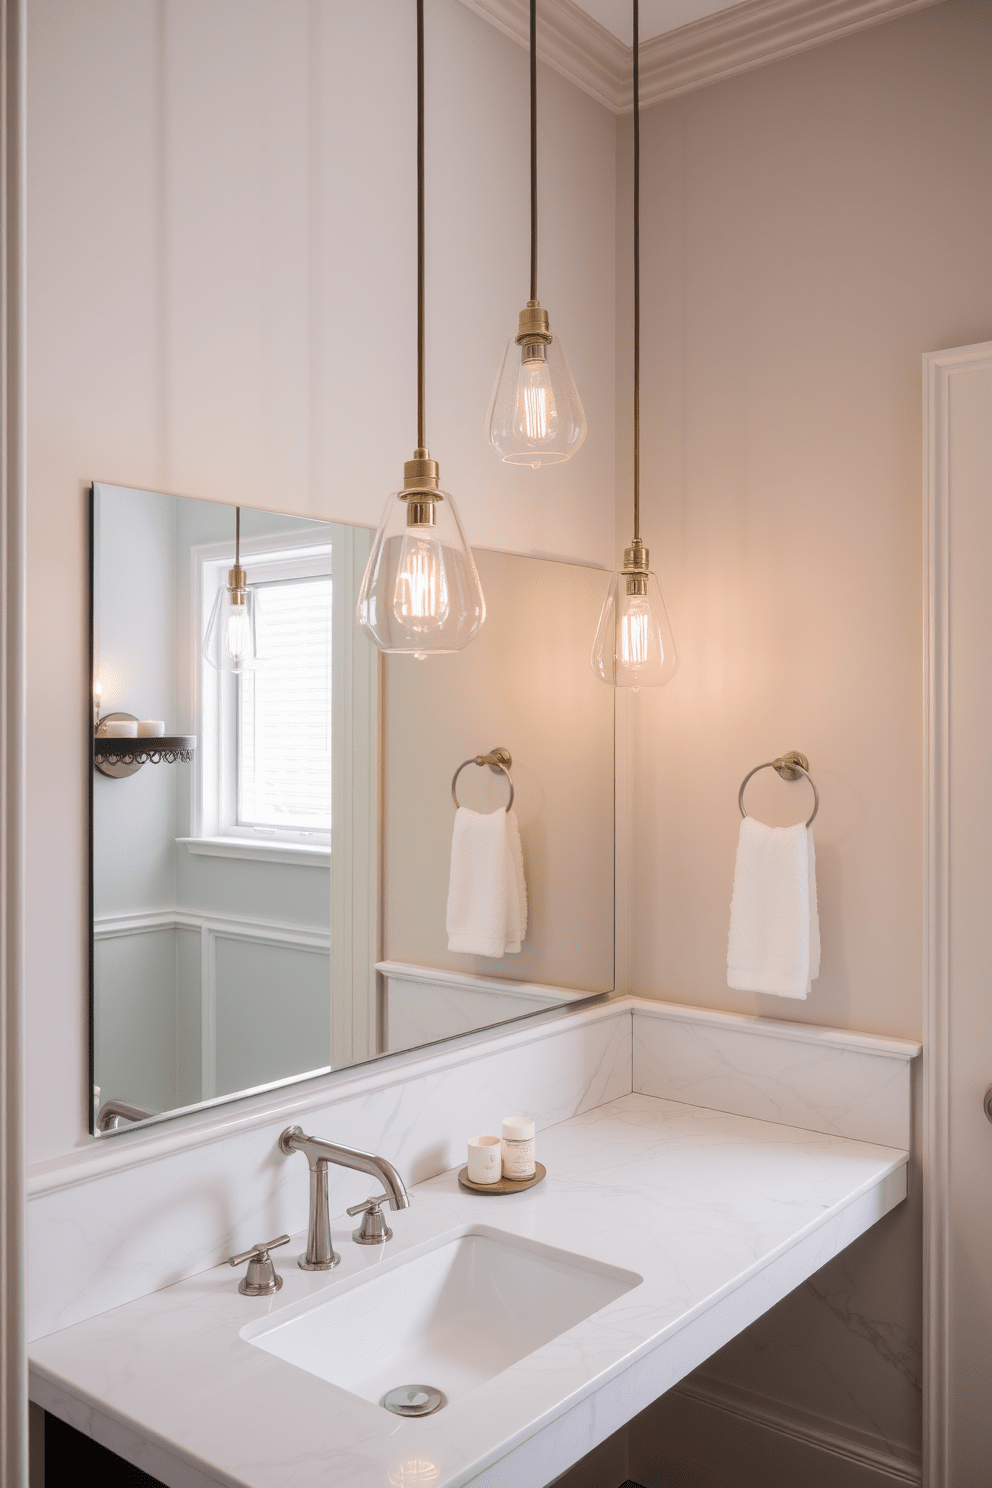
<point x="373" y="1229"/>
<point x="261" y="1279"/>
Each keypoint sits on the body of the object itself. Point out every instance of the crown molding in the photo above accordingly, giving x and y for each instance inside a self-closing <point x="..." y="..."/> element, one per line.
<point x="747" y="36"/>
<point x="568" y="40"/>
<point x="735" y="40"/>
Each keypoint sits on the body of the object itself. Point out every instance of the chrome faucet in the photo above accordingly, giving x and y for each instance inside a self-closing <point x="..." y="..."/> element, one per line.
<point x="320" y="1254"/>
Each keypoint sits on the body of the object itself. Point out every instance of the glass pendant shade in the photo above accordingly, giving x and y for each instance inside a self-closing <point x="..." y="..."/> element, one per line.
<point x="229" y="645"/>
<point x="535" y="416"/>
<point x="634" y="645"/>
<point x="421" y="591"/>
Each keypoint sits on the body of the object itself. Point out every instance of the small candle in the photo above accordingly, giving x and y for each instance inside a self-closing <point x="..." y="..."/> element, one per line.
<point x="119" y="728"/>
<point x="484" y="1159"/>
<point x="151" y="728"/>
<point x="518" y="1147"/>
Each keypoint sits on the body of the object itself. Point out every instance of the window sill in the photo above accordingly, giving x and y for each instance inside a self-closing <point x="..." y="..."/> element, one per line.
<point x="258" y="852"/>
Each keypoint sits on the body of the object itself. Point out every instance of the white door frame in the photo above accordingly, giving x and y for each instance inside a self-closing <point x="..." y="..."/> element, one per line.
<point x="938" y="370"/>
<point x="13" y="1360"/>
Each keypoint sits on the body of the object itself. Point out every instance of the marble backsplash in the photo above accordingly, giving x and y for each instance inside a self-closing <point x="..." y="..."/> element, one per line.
<point x="139" y="1211"/>
<point x="123" y="1217"/>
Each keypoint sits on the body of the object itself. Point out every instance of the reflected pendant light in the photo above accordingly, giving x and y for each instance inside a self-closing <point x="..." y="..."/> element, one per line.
<point x="229" y="644"/>
<point x="421" y="592"/>
<point x="535" y="416"/>
<point x="634" y="645"/>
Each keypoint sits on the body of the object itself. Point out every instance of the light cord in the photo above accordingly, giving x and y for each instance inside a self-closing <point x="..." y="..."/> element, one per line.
<point x="533" y="149"/>
<point x="637" y="282"/>
<point x="421" y="359"/>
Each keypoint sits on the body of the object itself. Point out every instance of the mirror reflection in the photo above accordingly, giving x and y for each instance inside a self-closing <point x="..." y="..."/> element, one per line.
<point x="264" y="782"/>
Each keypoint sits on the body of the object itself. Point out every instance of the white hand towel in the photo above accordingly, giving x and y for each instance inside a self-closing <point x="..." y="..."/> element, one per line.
<point x="487" y="896"/>
<point x="516" y="920"/>
<point x="774" y="941"/>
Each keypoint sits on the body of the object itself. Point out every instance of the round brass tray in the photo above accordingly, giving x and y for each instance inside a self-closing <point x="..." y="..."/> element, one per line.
<point x="505" y="1185"/>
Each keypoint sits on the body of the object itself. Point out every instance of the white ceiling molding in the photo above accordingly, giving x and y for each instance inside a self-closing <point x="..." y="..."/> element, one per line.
<point x="734" y="40"/>
<point x="747" y="36"/>
<point x="568" y="40"/>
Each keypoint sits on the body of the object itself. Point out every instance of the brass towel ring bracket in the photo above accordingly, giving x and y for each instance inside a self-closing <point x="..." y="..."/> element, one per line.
<point x="790" y="766"/>
<point x="498" y="760"/>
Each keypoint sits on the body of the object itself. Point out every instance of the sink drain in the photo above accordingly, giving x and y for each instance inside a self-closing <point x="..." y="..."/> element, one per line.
<point x="414" y="1400"/>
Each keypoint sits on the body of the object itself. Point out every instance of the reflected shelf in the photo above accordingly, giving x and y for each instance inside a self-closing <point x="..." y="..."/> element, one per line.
<point x="122" y="756"/>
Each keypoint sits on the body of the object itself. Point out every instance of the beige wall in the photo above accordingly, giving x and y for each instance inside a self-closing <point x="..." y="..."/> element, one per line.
<point x="221" y="282"/>
<point x="204" y="259"/>
<point x="809" y="230"/>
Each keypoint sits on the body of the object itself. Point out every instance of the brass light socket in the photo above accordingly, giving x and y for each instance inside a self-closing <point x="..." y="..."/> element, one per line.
<point x="237" y="582"/>
<point x="636" y="558"/>
<point x="532" y="325"/>
<point x="635" y="567"/>
<point x="533" y="351"/>
<point x="420" y="474"/>
<point x="420" y="511"/>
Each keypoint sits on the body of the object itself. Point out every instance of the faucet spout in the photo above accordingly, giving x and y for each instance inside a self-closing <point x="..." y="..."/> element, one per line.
<point x="320" y="1254"/>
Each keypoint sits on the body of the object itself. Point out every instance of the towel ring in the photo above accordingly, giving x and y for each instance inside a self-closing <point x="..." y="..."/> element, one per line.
<point x="790" y="766"/>
<point x="498" y="760"/>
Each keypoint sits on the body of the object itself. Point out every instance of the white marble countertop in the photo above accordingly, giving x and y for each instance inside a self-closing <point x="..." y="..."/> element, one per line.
<point x="721" y="1215"/>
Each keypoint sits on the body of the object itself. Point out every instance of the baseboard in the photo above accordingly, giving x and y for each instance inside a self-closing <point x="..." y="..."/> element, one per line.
<point x="842" y="1443"/>
<point x="707" y="1431"/>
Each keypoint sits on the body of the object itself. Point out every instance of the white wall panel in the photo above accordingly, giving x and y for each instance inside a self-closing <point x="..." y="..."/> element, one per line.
<point x="221" y="302"/>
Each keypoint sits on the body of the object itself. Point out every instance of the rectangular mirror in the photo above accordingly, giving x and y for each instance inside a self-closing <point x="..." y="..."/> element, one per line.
<point x="271" y="828"/>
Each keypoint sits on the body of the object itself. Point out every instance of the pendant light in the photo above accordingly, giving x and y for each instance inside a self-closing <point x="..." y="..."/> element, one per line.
<point x="421" y="592"/>
<point x="634" y="645"/>
<point x="230" y="640"/>
<point x="535" y="416"/>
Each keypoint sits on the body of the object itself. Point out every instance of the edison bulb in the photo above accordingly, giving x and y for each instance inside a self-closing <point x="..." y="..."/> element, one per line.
<point x="536" y="419"/>
<point x="634" y="645"/>
<point x="641" y="649"/>
<point x="636" y="634"/>
<point x="229" y="644"/>
<point x="237" y="636"/>
<point x="420" y="593"/>
<point x="535" y="415"/>
<point x="420" y="597"/>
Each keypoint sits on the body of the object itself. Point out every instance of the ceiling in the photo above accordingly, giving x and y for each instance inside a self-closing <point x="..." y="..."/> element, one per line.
<point x="685" y="44"/>
<point x="656" y="17"/>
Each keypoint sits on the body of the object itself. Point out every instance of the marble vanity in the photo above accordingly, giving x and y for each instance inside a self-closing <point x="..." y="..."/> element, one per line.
<point x="719" y="1212"/>
<point x="700" y="1165"/>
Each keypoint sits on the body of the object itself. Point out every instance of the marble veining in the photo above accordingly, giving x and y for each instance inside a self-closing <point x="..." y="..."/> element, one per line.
<point x="426" y="1003"/>
<point x="895" y="1345"/>
<point x="855" y="1088"/>
<point x="117" y="1219"/>
<point x="98" y="1243"/>
<point x="720" y="1214"/>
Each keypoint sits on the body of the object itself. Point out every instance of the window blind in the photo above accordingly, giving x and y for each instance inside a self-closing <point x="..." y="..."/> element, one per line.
<point x="284" y="710"/>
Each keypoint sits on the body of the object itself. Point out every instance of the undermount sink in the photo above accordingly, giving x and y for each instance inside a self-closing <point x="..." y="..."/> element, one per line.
<point x="448" y="1315"/>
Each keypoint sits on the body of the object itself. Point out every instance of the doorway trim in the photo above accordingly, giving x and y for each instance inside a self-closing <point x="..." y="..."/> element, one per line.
<point x="938" y="369"/>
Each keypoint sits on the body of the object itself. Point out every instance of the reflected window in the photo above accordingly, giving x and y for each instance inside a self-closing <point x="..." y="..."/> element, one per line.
<point x="284" y="713"/>
<point x="276" y="737"/>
